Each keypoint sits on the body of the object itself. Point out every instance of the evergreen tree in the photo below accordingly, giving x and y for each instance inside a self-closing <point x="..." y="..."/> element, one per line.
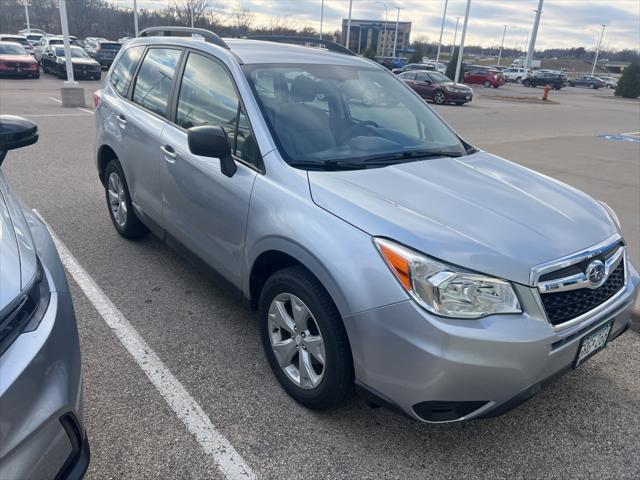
<point x="451" y="67"/>
<point x="629" y="83"/>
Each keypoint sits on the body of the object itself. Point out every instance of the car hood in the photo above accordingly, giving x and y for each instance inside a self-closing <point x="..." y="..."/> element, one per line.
<point x="17" y="256"/>
<point x="479" y="211"/>
<point x="461" y="86"/>
<point x="17" y="58"/>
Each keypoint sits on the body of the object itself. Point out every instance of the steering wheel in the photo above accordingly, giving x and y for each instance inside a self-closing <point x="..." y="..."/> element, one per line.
<point x="360" y="128"/>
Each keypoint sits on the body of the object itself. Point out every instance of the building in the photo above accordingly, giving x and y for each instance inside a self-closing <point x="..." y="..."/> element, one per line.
<point x="372" y="34"/>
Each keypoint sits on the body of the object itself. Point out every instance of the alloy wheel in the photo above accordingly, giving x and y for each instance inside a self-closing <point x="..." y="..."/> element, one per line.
<point x="296" y="341"/>
<point x="117" y="199"/>
<point x="438" y="98"/>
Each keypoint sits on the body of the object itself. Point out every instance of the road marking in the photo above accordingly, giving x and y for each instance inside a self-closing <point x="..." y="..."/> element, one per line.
<point x="631" y="133"/>
<point x="55" y="99"/>
<point x="228" y="460"/>
<point x="85" y="110"/>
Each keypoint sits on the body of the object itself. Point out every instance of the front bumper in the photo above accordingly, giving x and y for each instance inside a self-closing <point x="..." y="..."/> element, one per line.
<point x="435" y="369"/>
<point x="42" y="435"/>
<point x="452" y="96"/>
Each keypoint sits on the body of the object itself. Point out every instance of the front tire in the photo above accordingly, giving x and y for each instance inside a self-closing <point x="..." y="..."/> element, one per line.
<point x="304" y="339"/>
<point x="438" y="97"/>
<point x="487" y="84"/>
<point x="526" y="83"/>
<point x="118" y="198"/>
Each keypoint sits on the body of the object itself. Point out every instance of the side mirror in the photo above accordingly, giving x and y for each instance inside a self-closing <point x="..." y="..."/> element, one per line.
<point x="16" y="132"/>
<point x="428" y="82"/>
<point x="210" y="141"/>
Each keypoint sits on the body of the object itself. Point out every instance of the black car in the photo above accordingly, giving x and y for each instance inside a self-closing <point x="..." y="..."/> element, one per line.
<point x="588" y="81"/>
<point x="102" y="50"/>
<point x="53" y="61"/>
<point x="556" y="80"/>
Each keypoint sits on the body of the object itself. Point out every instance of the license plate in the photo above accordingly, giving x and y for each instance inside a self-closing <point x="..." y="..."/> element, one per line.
<point x="468" y="97"/>
<point x="592" y="344"/>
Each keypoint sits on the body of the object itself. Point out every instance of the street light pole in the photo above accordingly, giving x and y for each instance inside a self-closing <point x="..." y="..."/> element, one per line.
<point x="384" y="35"/>
<point x="26" y="12"/>
<point x="191" y="14"/>
<point x="135" y="17"/>
<point x="595" y="60"/>
<point x="502" y="44"/>
<point x="346" y="42"/>
<point x="455" y="36"/>
<point x="534" y="34"/>
<point x="464" y="34"/>
<point x="65" y="40"/>
<point x="395" y="40"/>
<point x="321" y="17"/>
<point x="444" y="16"/>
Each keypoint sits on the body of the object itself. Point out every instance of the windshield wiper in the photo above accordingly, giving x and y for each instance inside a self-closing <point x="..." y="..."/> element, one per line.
<point x="327" y="164"/>
<point x="409" y="156"/>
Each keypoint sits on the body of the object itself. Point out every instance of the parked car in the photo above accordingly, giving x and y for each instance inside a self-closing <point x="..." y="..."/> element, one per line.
<point x="53" y="61"/>
<point x="588" y="81"/>
<point x="484" y="76"/>
<point x="515" y="74"/>
<point x="609" y="82"/>
<point x="124" y="40"/>
<point x="414" y="66"/>
<point x="15" y="61"/>
<point x="438" y="88"/>
<point x="437" y="66"/>
<point x="377" y="246"/>
<point x="556" y="80"/>
<point x="33" y="38"/>
<point x="42" y="434"/>
<point x="50" y="41"/>
<point x="103" y="51"/>
<point x="35" y="31"/>
<point x="20" y="39"/>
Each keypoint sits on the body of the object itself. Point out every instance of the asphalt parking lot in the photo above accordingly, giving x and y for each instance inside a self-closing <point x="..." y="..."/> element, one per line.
<point x="583" y="426"/>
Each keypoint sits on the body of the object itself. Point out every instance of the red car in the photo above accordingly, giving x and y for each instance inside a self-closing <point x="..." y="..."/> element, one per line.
<point x="484" y="76"/>
<point x="14" y="60"/>
<point x="436" y="87"/>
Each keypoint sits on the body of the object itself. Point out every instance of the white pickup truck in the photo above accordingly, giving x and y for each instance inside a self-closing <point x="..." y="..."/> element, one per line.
<point x="515" y="74"/>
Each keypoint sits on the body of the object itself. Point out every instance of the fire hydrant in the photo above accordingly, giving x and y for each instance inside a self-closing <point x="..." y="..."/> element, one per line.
<point x="545" y="95"/>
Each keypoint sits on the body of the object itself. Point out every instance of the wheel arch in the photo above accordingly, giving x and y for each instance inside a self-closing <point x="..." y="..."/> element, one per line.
<point x="105" y="155"/>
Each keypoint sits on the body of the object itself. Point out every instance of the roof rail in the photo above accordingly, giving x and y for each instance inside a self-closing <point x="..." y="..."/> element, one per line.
<point x="208" y="35"/>
<point x="332" y="46"/>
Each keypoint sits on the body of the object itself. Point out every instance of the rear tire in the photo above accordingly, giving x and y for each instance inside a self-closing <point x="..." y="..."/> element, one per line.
<point x="487" y="84"/>
<point x="526" y="83"/>
<point x="592" y="86"/>
<point x="316" y="385"/>
<point x="119" y="204"/>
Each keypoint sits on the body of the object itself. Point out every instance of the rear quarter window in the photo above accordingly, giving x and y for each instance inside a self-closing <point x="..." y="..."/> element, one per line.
<point x="123" y="71"/>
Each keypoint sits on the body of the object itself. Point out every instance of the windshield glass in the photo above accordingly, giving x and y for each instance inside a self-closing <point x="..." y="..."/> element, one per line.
<point x="20" y="40"/>
<point x="12" y="49"/>
<point x="327" y="113"/>
<point x="439" y="78"/>
<point x="109" y="46"/>
<point x="75" y="53"/>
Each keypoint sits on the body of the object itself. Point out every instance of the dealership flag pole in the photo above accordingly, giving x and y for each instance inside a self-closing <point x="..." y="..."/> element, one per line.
<point x="321" y="17"/>
<point x="502" y="44"/>
<point x="71" y="92"/>
<point x="26" y="12"/>
<point x="464" y="34"/>
<point x="455" y="36"/>
<point x="395" y="40"/>
<point x="444" y="17"/>
<point x="534" y="35"/>
<point x="595" y="60"/>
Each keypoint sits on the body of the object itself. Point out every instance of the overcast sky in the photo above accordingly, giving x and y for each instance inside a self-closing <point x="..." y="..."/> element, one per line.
<point x="564" y="23"/>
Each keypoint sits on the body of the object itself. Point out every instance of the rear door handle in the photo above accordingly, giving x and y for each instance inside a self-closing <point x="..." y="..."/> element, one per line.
<point x="169" y="153"/>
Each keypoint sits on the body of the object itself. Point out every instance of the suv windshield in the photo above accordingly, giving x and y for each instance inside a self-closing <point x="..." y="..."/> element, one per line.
<point x="75" y="52"/>
<point x="348" y="116"/>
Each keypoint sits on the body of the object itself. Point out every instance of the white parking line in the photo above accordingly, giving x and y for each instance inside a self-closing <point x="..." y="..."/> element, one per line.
<point x="55" y="99"/>
<point x="228" y="460"/>
<point x="55" y="115"/>
<point x="85" y="110"/>
<point x="631" y="133"/>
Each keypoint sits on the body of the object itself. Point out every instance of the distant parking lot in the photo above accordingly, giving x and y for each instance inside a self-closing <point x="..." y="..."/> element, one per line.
<point x="584" y="426"/>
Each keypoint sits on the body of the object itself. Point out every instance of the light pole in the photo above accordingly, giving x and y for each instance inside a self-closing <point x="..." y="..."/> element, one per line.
<point x="395" y="40"/>
<point x="384" y="35"/>
<point x="444" y="16"/>
<point x="595" y="59"/>
<point x="191" y="14"/>
<point x="455" y="36"/>
<point x="135" y="17"/>
<point x="26" y="12"/>
<point x="321" y="17"/>
<point x="464" y="34"/>
<point x="67" y="45"/>
<point x="534" y="34"/>
<point x="502" y="44"/>
<point x="346" y="42"/>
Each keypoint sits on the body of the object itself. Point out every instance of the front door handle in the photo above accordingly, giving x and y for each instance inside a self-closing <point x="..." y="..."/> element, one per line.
<point x="169" y="153"/>
<point x="122" y="120"/>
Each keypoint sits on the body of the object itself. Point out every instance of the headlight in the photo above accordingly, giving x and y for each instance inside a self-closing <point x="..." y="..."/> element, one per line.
<point x="446" y="290"/>
<point x="612" y="214"/>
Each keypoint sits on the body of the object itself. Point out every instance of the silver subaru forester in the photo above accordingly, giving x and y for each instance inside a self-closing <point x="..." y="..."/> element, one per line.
<point x="379" y="248"/>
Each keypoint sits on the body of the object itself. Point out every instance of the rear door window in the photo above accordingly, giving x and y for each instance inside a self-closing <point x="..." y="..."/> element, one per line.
<point x="153" y="84"/>
<point x="123" y="71"/>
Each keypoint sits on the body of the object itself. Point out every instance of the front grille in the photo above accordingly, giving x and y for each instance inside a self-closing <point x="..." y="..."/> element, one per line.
<point x="564" y="306"/>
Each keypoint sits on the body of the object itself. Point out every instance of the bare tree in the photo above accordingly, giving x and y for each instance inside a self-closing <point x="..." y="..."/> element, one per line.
<point x="189" y="12"/>
<point x="243" y="20"/>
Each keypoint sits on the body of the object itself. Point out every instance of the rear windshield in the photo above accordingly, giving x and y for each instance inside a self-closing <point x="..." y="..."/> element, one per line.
<point x="110" y="46"/>
<point x="57" y="41"/>
<point x="324" y="113"/>
<point x="21" y="41"/>
<point x="12" y="49"/>
<point x="75" y="53"/>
